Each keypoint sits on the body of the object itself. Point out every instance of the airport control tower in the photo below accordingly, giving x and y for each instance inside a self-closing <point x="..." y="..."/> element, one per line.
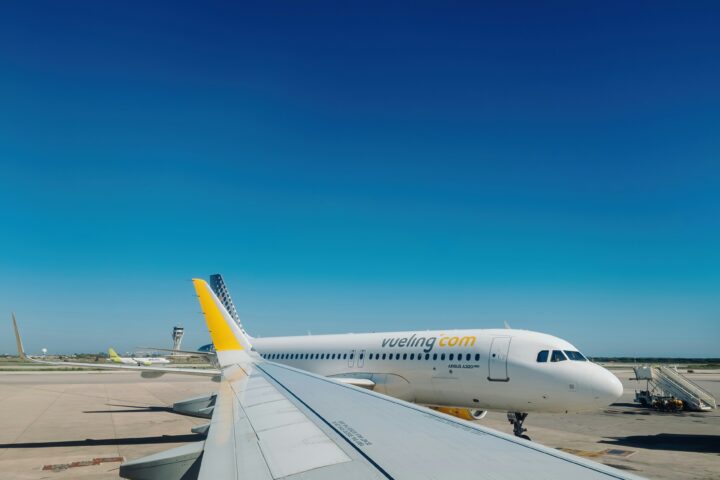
<point x="177" y="336"/>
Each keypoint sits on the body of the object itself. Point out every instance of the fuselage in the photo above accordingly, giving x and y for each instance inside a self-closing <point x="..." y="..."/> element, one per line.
<point x="496" y="369"/>
<point x="146" y="361"/>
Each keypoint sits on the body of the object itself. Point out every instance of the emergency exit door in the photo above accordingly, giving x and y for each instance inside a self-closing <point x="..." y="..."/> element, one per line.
<point x="497" y="360"/>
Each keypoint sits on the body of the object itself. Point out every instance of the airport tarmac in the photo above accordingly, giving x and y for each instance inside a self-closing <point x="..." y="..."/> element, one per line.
<point x="63" y="425"/>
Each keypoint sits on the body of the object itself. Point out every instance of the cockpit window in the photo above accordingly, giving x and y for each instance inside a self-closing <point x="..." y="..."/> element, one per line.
<point x="558" y="356"/>
<point x="576" y="356"/>
<point x="542" y="356"/>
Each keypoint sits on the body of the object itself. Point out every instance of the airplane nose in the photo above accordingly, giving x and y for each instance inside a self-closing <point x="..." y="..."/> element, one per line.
<point x="606" y="387"/>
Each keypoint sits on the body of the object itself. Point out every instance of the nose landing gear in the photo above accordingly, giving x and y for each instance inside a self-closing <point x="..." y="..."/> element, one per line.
<point x="516" y="419"/>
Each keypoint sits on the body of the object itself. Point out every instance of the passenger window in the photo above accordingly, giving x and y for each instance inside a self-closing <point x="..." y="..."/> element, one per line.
<point x="322" y="356"/>
<point x="412" y="356"/>
<point x="442" y="356"/>
<point x="451" y="356"/>
<point x="361" y="356"/>
<point x="344" y="356"/>
<point x="404" y="356"/>
<point x="384" y="356"/>
<point x="467" y="357"/>
<point x="434" y="356"/>
<point x="477" y="357"/>
<point x="351" y="356"/>
<point x="427" y="356"/>
<point x="557" y="356"/>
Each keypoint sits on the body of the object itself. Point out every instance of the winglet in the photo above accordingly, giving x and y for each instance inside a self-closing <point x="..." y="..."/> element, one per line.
<point x="21" y="350"/>
<point x="225" y="333"/>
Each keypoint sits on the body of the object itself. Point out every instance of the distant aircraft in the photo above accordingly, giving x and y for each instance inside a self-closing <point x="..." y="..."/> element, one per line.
<point x="274" y="421"/>
<point x="115" y="358"/>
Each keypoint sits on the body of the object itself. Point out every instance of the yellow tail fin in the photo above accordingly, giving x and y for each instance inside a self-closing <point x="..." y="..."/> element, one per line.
<point x="226" y="335"/>
<point x="113" y="355"/>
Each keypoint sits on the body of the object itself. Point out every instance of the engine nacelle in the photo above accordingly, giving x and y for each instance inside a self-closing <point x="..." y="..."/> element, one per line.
<point x="463" y="413"/>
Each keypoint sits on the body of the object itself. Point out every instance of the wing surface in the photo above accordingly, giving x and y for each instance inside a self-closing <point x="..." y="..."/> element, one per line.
<point x="402" y="440"/>
<point x="275" y="422"/>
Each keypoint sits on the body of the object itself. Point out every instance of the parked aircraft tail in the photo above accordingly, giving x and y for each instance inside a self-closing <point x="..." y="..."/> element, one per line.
<point x="114" y="356"/>
<point x="18" y="340"/>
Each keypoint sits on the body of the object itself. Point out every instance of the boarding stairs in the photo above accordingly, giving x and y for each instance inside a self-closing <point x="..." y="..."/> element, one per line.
<point x="672" y="383"/>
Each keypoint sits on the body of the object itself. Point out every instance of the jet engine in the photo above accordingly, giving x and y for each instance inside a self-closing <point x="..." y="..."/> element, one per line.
<point x="463" y="413"/>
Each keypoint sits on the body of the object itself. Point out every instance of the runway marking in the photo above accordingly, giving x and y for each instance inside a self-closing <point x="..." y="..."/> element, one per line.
<point x="59" y="467"/>
<point x="615" y="452"/>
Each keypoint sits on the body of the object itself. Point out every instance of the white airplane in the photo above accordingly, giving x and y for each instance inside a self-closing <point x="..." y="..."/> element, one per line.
<point x="115" y="358"/>
<point x="460" y="372"/>
<point x="516" y="371"/>
<point x="272" y="421"/>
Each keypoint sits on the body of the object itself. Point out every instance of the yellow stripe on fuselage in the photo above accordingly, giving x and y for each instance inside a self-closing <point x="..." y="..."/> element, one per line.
<point x="222" y="335"/>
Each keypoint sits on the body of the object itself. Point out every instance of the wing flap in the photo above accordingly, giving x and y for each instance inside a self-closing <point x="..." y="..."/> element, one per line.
<point x="298" y="447"/>
<point x="358" y="382"/>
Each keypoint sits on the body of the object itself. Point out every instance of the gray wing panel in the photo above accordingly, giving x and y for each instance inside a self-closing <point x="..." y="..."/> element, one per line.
<point x="406" y="441"/>
<point x="257" y="432"/>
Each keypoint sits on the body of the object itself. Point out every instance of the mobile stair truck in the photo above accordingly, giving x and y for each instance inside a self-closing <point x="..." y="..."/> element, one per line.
<point x="668" y="390"/>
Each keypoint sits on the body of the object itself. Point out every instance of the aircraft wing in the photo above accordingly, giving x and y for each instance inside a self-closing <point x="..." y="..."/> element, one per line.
<point x="272" y="421"/>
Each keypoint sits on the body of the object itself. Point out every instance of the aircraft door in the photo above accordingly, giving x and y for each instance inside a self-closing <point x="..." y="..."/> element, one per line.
<point x="361" y="359"/>
<point x="497" y="360"/>
<point x="351" y="358"/>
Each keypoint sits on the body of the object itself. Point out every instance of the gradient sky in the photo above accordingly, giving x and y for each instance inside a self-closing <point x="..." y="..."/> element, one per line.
<point x="362" y="166"/>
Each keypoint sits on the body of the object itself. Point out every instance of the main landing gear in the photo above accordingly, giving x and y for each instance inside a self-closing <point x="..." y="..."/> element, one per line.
<point x="516" y="419"/>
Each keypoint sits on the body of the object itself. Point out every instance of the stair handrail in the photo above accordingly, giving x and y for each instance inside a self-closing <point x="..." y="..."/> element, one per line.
<point x="680" y="378"/>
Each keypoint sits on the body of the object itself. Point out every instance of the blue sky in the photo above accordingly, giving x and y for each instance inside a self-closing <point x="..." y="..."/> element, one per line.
<point x="362" y="167"/>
